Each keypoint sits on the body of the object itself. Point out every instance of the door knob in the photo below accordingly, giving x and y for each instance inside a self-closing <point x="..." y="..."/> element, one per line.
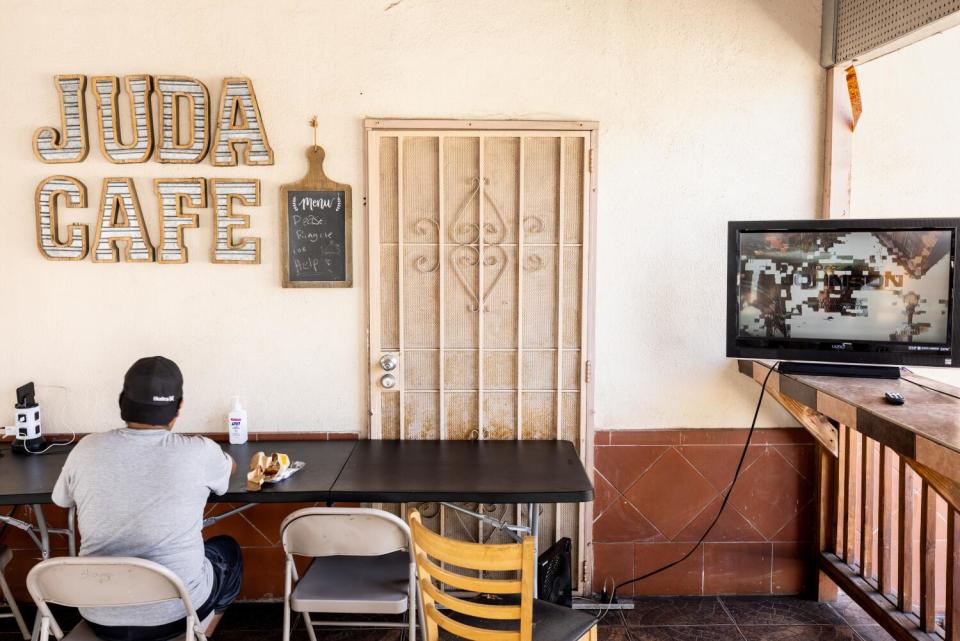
<point x="388" y="381"/>
<point x="389" y="362"/>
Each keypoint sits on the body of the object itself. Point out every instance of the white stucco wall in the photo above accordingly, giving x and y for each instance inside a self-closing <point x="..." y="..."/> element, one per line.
<point x="905" y="158"/>
<point x="710" y="110"/>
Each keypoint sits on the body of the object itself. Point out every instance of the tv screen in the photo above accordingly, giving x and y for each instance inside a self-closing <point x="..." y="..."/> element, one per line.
<point x="857" y="291"/>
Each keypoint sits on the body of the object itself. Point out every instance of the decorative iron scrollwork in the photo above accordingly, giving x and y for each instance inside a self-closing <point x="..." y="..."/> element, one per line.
<point x="533" y="262"/>
<point x="422" y="263"/>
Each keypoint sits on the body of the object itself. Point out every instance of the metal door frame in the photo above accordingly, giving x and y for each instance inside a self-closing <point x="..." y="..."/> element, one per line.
<point x="373" y="129"/>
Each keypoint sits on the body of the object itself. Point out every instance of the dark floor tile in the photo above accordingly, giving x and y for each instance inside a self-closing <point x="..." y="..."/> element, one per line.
<point x="610" y="618"/>
<point x="610" y="633"/>
<point x="780" y="611"/>
<point x="255" y="635"/>
<point x="252" y="616"/>
<point x="269" y="617"/>
<point x="798" y="633"/>
<point x="872" y="633"/>
<point x="325" y="634"/>
<point x="851" y="612"/>
<point x="677" y="611"/>
<point x="686" y="633"/>
<point x="359" y="635"/>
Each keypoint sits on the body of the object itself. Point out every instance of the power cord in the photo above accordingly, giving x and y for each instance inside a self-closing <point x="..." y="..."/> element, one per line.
<point x="927" y="387"/>
<point x="73" y="433"/>
<point x="610" y="598"/>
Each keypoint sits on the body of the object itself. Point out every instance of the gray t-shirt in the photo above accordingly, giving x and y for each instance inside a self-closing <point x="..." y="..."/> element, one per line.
<point x="142" y="493"/>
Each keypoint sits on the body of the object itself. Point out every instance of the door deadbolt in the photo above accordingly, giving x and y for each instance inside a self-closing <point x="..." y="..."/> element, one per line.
<point x="389" y="362"/>
<point x="388" y="381"/>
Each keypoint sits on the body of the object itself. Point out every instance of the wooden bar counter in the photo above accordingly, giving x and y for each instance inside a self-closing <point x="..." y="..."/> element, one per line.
<point x="881" y="468"/>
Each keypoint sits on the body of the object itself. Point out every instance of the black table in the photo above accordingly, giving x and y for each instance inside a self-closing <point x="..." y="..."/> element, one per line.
<point x="464" y="471"/>
<point x="517" y="472"/>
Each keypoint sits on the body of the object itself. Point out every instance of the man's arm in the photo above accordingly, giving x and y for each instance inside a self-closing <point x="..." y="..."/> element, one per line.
<point x="218" y="467"/>
<point x="63" y="490"/>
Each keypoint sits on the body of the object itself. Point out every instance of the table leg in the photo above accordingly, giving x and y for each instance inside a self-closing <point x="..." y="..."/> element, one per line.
<point x="43" y="531"/>
<point x="533" y="521"/>
<point x="72" y="531"/>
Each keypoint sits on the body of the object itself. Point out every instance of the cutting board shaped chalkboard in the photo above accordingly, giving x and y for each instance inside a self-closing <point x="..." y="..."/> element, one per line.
<point x="316" y="234"/>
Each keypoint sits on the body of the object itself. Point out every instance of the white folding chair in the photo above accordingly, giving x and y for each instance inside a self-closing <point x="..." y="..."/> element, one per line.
<point x="362" y="563"/>
<point x="92" y="582"/>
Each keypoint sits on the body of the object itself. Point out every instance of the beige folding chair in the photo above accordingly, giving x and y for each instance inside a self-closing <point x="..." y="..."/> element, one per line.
<point x="93" y="582"/>
<point x="5" y="557"/>
<point x="362" y="563"/>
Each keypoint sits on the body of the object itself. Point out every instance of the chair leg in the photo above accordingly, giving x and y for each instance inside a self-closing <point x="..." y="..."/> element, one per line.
<point x="310" y="631"/>
<point x="412" y="608"/>
<point x="286" y="600"/>
<point x="12" y="604"/>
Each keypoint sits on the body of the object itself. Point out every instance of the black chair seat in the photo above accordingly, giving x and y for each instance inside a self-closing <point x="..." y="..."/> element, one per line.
<point x="550" y="622"/>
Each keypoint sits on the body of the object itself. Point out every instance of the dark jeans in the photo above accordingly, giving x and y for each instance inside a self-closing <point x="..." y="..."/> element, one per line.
<point x="224" y="555"/>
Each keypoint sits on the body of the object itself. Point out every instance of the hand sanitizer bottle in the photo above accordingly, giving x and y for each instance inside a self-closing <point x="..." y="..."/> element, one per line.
<point x="237" y="423"/>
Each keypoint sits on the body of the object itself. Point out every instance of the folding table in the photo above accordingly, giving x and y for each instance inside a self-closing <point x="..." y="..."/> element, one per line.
<point x="515" y="472"/>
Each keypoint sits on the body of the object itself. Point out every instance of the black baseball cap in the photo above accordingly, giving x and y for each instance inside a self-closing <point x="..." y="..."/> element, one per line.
<point x="152" y="391"/>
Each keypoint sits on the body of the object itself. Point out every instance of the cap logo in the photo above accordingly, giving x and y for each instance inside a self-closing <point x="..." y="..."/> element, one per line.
<point x="163" y="398"/>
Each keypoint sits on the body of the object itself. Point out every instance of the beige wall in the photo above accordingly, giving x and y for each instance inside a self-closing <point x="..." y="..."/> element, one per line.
<point x="710" y="110"/>
<point x="905" y="148"/>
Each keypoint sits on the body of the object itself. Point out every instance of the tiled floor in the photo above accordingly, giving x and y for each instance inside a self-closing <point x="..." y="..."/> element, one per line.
<point x="740" y="619"/>
<point x="653" y="619"/>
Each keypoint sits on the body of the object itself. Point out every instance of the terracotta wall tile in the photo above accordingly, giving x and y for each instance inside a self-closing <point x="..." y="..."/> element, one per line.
<point x="731" y="526"/>
<point x="239" y="526"/>
<point x="737" y="568"/>
<point x="802" y="526"/>
<point x="262" y="573"/>
<point x="770" y="493"/>
<point x="623" y="465"/>
<point x="622" y="523"/>
<point x="737" y="436"/>
<point x="342" y="436"/>
<point x="802" y="456"/>
<point x="612" y="562"/>
<point x="674" y="481"/>
<point x="645" y="437"/>
<point x="718" y="463"/>
<point x="604" y="494"/>
<point x="685" y="578"/>
<point x="671" y="493"/>
<point x="716" y="437"/>
<point x="793" y="566"/>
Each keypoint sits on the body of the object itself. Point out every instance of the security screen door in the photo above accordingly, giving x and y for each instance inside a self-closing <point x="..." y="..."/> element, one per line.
<point x="480" y="237"/>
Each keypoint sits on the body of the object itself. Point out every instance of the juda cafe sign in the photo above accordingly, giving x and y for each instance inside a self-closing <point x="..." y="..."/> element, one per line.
<point x="182" y="134"/>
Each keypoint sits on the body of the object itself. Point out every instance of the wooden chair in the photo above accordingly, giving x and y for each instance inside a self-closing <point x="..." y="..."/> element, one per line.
<point x="505" y="609"/>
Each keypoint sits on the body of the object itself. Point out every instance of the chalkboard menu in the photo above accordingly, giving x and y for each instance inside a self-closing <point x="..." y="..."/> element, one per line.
<point x="315" y="244"/>
<point x="316" y="229"/>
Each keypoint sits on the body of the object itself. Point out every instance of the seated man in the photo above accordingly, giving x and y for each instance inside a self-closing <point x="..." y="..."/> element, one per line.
<point x="140" y="491"/>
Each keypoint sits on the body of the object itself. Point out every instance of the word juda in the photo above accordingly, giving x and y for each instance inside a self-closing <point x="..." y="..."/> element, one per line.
<point x="184" y="105"/>
<point x="182" y="136"/>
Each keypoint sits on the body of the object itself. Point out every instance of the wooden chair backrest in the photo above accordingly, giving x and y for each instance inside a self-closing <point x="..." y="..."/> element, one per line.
<point x="435" y="554"/>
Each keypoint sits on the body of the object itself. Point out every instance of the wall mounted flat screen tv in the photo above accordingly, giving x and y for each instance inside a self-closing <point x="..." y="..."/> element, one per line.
<point x="844" y="291"/>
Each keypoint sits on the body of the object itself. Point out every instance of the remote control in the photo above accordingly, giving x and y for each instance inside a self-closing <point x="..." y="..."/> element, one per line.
<point x="894" y="399"/>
